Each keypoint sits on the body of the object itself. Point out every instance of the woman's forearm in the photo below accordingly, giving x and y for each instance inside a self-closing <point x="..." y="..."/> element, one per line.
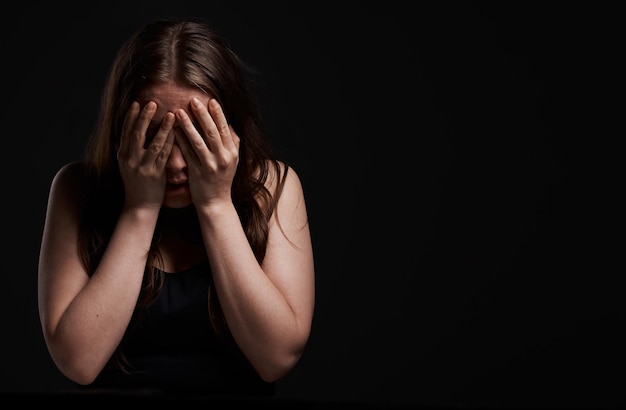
<point x="94" y="322"/>
<point x="265" y="326"/>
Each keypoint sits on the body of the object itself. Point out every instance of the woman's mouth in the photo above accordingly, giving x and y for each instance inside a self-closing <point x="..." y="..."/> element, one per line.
<point x="171" y="186"/>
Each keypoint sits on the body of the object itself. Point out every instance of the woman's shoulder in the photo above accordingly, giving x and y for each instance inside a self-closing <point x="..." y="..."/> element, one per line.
<point x="282" y="174"/>
<point x="74" y="168"/>
<point x="284" y="182"/>
<point x="69" y="178"/>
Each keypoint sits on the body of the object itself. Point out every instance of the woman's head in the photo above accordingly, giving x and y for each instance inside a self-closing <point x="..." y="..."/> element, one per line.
<point x="191" y="55"/>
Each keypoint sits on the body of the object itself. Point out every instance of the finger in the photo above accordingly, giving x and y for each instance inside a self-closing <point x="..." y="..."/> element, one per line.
<point x="207" y="125"/>
<point x="185" y="147"/>
<point x="138" y="135"/>
<point x="127" y="126"/>
<point x="164" y="153"/>
<point x="195" y="141"/>
<point x="236" y="139"/>
<point x="224" y="130"/>
<point x="158" y="143"/>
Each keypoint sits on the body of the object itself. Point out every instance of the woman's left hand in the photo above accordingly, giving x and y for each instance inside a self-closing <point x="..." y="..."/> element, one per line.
<point x="211" y="160"/>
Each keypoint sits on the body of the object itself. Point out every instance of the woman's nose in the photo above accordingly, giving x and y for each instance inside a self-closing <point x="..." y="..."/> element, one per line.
<point x="176" y="161"/>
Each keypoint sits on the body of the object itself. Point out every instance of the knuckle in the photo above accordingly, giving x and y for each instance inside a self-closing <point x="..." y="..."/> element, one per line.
<point x="155" y="148"/>
<point x="199" y="144"/>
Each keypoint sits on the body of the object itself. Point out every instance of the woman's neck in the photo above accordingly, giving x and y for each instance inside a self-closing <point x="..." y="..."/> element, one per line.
<point x="180" y="239"/>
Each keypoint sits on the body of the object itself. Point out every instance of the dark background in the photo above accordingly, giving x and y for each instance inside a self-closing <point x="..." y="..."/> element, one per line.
<point x="460" y="168"/>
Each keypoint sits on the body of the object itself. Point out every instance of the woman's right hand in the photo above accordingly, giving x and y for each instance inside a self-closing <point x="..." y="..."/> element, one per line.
<point x="142" y="166"/>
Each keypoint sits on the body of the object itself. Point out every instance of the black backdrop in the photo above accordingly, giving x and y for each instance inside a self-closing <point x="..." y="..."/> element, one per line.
<point x="458" y="165"/>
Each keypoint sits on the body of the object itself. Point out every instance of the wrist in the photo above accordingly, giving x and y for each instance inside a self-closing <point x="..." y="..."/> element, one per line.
<point x="216" y="210"/>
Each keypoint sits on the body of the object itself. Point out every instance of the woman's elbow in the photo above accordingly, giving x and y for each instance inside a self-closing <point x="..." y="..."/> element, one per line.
<point x="77" y="371"/>
<point x="276" y="364"/>
<point x="75" y="367"/>
<point x="272" y="370"/>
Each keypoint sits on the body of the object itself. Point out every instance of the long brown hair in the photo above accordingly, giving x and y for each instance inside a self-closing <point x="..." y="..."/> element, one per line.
<point x="191" y="53"/>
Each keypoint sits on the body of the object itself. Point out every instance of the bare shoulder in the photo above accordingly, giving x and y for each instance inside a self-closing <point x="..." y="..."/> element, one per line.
<point x="69" y="181"/>
<point x="283" y="173"/>
<point x="291" y="205"/>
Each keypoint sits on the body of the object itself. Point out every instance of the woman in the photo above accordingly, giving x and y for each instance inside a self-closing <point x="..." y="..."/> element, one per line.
<point x="176" y="255"/>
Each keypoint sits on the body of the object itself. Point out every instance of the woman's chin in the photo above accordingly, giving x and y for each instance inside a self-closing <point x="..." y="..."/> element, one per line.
<point x="177" y="201"/>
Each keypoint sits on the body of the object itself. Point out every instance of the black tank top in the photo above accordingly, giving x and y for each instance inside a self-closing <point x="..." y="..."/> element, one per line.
<point x="174" y="350"/>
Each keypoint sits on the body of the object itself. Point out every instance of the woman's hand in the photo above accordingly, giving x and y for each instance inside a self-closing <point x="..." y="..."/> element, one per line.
<point x="211" y="161"/>
<point x="143" y="166"/>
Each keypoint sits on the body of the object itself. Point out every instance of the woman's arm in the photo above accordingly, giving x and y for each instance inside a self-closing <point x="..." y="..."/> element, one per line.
<point x="83" y="319"/>
<point x="268" y="307"/>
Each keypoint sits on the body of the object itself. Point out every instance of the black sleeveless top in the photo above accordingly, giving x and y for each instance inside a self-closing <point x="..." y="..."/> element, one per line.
<point x="173" y="349"/>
